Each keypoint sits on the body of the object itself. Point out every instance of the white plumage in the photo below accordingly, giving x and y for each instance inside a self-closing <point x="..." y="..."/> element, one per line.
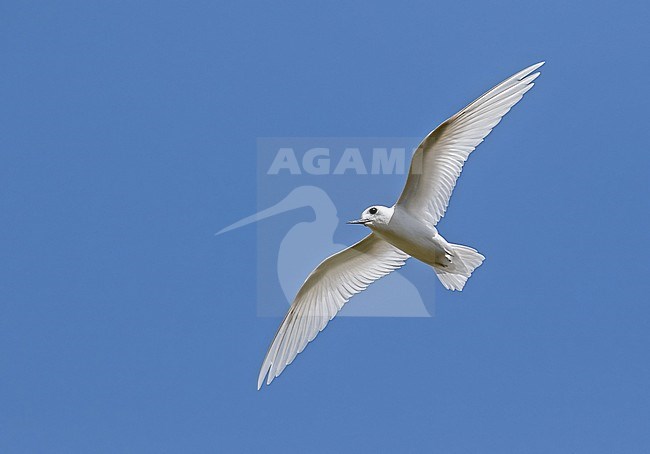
<point x="324" y="293"/>
<point x="407" y="229"/>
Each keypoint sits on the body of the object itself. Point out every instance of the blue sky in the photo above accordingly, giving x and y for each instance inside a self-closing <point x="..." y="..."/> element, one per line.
<point x="129" y="137"/>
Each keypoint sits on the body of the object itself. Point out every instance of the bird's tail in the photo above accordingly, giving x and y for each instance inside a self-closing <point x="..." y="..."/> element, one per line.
<point x="463" y="263"/>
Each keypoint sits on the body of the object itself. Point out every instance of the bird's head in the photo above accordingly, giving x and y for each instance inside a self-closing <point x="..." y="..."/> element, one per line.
<point x="375" y="215"/>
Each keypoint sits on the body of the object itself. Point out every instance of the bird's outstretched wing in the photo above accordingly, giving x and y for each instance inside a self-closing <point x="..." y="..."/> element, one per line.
<point x="324" y="293"/>
<point x="439" y="159"/>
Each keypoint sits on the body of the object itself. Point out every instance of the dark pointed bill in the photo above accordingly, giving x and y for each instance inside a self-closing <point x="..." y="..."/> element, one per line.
<point x="357" y="221"/>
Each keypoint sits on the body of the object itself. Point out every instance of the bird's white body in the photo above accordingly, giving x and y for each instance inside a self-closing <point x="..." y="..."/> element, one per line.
<point x="409" y="234"/>
<point x="407" y="229"/>
<point x="398" y="226"/>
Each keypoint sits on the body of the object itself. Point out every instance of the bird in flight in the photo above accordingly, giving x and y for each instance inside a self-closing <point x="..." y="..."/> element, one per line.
<point x="407" y="229"/>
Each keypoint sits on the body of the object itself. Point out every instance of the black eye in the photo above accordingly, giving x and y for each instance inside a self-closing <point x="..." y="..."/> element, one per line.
<point x="372" y="210"/>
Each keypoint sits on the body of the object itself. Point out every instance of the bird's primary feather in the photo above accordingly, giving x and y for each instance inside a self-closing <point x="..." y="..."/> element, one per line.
<point x="437" y="162"/>
<point x="324" y="293"/>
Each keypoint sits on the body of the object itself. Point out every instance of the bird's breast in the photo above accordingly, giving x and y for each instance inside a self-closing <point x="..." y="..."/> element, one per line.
<point x="411" y="236"/>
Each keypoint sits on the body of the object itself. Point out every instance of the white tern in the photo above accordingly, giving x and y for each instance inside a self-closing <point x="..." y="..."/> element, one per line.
<point x="407" y="229"/>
